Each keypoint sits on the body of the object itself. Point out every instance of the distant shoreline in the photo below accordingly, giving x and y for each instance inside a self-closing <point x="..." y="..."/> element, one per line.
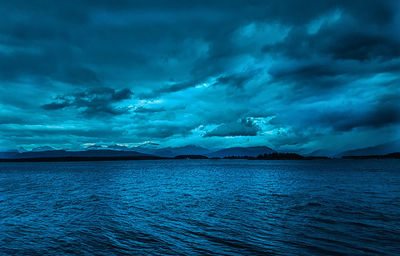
<point x="81" y="159"/>
<point x="272" y="157"/>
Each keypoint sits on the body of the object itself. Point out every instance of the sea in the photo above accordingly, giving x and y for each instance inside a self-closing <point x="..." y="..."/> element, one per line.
<point x="201" y="207"/>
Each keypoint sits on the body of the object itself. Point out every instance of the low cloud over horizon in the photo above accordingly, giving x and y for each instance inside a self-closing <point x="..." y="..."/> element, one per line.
<point x="292" y="75"/>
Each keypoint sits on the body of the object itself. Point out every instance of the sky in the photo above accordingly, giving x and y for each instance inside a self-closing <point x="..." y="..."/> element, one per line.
<point x="292" y="75"/>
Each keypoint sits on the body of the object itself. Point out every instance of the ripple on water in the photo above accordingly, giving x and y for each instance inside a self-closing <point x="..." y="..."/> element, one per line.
<point x="200" y="207"/>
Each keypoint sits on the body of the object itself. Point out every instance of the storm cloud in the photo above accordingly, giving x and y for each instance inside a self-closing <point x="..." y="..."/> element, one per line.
<point x="94" y="102"/>
<point x="241" y="128"/>
<point x="295" y="75"/>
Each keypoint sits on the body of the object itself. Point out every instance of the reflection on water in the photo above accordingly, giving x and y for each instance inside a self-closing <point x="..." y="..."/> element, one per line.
<point x="231" y="207"/>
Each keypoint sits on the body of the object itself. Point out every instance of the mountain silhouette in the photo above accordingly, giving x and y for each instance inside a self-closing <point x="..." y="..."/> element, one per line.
<point x="242" y="151"/>
<point x="87" y="153"/>
<point x="174" y="151"/>
<point x="381" y="149"/>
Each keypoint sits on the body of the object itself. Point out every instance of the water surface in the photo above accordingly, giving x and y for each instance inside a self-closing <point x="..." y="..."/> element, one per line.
<point x="181" y="207"/>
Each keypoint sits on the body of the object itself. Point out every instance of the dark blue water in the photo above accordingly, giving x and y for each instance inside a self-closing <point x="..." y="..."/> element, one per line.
<point x="232" y="207"/>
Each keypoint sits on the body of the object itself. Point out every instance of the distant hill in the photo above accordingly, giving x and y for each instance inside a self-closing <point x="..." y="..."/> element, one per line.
<point x="287" y="156"/>
<point x="242" y="151"/>
<point x="43" y="148"/>
<point x="122" y="151"/>
<point x="8" y="154"/>
<point x="149" y="150"/>
<point x="321" y="152"/>
<point x="88" y="153"/>
<point x="387" y="156"/>
<point x="172" y="152"/>
<point x="190" y="157"/>
<point x="382" y="149"/>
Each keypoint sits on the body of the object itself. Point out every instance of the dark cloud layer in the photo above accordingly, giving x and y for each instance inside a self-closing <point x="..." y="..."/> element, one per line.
<point x="95" y="102"/>
<point x="241" y="128"/>
<point x="294" y="73"/>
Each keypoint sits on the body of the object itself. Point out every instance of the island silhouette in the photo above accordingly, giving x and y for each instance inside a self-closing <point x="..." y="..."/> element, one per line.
<point x="47" y="154"/>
